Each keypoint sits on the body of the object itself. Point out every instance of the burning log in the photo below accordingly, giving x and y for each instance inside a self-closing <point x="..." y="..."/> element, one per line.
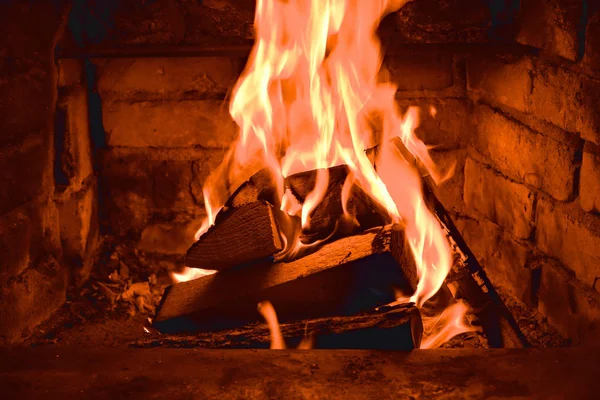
<point x="240" y="235"/>
<point x="328" y="216"/>
<point x="260" y="187"/>
<point x="350" y="275"/>
<point x="400" y="328"/>
<point x="250" y="221"/>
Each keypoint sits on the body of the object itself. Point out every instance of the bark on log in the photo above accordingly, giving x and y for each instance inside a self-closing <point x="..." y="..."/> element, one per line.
<point x="344" y="277"/>
<point x="240" y="236"/>
<point x="399" y="329"/>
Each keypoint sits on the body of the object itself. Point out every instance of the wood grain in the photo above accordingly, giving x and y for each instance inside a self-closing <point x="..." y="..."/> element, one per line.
<point x="240" y="236"/>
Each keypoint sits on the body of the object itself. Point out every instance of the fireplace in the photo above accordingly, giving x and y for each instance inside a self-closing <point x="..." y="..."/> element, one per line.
<point x="116" y="115"/>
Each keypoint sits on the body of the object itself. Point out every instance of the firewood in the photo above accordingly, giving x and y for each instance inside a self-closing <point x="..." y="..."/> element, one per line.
<point x="400" y="328"/>
<point x="260" y="187"/>
<point x="350" y="275"/>
<point x="240" y="236"/>
<point x="328" y="216"/>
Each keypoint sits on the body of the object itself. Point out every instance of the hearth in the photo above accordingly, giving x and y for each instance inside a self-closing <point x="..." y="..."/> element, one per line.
<point x="240" y="174"/>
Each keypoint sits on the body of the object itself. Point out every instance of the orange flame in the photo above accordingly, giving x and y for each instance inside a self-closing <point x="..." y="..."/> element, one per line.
<point x="449" y="323"/>
<point x="265" y="308"/>
<point x="311" y="97"/>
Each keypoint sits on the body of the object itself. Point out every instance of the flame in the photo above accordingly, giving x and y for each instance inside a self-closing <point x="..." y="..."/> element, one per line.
<point x="312" y="97"/>
<point x="451" y="322"/>
<point x="265" y="308"/>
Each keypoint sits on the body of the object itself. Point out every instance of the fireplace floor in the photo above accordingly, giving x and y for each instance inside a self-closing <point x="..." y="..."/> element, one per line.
<point x="73" y="372"/>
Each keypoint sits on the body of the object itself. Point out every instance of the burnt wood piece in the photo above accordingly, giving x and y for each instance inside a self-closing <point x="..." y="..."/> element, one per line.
<point x="328" y="216"/>
<point x="467" y="278"/>
<point x="400" y="328"/>
<point x="350" y="275"/>
<point x="260" y="187"/>
<point x="239" y="236"/>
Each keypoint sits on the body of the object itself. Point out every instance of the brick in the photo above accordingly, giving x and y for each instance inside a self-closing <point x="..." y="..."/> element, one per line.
<point x="25" y="172"/>
<point x="552" y="25"/>
<point x="504" y="259"/>
<point x="30" y="299"/>
<point x="126" y="213"/>
<point x="446" y="128"/>
<point x="169" y="124"/>
<point x="165" y="183"/>
<point x="450" y="191"/>
<point x="26" y="105"/>
<point x="447" y="21"/>
<point x="505" y="82"/>
<point x="418" y="70"/>
<point x="589" y="179"/>
<point x="75" y="151"/>
<point x="522" y="154"/>
<point x="573" y="239"/>
<point x="16" y="230"/>
<point x="26" y="233"/>
<point x="70" y="72"/>
<point x="591" y="58"/>
<point x="169" y="238"/>
<point x="508" y="204"/>
<point x="571" y="308"/>
<point x="166" y="77"/>
<point x="568" y="100"/>
<point x="143" y="182"/>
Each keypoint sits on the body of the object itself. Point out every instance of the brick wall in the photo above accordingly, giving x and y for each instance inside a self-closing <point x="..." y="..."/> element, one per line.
<point x="37" y="219"/>
<point x="167" y="126"/>
<point x="531" y="184"/>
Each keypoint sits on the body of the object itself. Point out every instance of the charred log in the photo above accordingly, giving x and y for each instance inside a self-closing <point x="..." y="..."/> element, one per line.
<point x="398" y="329"/>
<point x="328" y="217"/>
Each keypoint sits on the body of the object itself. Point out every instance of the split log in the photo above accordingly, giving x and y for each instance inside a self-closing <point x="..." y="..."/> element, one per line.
<point x="260" y="187"/>
<point x="240" y="236"/>
<point x="353" y="274"/>
<point x="398" y="329"/>
<point x="328" y="216"/>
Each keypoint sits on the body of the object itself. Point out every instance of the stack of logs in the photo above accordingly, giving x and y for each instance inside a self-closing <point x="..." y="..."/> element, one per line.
<point x="336" y="287"/>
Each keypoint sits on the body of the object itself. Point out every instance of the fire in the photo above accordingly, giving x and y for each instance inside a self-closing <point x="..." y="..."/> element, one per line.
<point x="312" y="97"/>
<point x="445" y="326"/>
